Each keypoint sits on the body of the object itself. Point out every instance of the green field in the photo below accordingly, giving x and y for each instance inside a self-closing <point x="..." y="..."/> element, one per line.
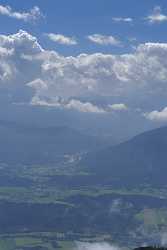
<point x="33" y="241"/>
<point x="19" y="243"/>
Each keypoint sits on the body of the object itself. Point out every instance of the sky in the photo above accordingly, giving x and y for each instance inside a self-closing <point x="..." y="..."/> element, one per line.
<point x="80" y="19"/>
<point x="105" y="58"/>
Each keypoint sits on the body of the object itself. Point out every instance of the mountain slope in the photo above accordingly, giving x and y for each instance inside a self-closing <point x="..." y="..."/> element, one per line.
<point x="140" y="160"/>
<point x="22" y="144"/>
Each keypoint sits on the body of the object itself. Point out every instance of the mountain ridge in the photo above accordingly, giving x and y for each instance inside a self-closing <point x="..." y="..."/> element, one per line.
<point x="142" y="159"/>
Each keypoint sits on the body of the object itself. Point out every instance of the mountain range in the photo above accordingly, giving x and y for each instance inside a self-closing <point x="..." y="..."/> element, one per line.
<point x="140" y="160"/>
<point x="25" y="144"/>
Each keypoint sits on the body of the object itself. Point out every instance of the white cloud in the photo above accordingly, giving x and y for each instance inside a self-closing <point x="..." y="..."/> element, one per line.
<point x="33" y="15"/>
<point x="61" y="39"/>
<point x="104" y="40"/>
<point x="123" y="19"/>
<point x="27" y="69"/>
<point x="157" y="116"/>
<point x="36" y="101"/>
<point x="37" y="84"/>
<point x="118" y="107"/>
<point x="156" y="16"/>
<point x="73" y="104"/>
<point x="86" y="107"/>
<point x="21" y="43"/>
<point x="5" y="52"/>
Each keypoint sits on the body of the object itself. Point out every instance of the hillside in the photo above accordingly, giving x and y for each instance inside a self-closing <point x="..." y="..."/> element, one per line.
<point x="141" y="160"/>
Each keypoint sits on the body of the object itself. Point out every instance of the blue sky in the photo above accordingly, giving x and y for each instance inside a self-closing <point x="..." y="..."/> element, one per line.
<point x="82" y="18"/>
<point x="105" y="57"/>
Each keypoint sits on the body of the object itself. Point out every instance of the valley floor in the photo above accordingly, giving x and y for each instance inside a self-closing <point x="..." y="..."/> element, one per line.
<point x="45" y="198"/>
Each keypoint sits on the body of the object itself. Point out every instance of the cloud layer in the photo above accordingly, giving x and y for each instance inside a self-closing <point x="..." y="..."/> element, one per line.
<point x="28" y="73"/>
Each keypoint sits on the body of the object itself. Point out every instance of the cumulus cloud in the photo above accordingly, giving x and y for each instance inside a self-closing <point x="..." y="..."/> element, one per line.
<point x="26" y="69"/>
<point x="95" y="246"/>
<point x="118" y="107"/>
<point x="61" y="39"/>
<point x="156" y="16"/>
<point x="73" y="104"/>
<point x="21" y="43"/>
<point x="85" y="107"/>
<point x="32" y="16"/>
<point x="123" y="19"/>
<point x="104" y="40"/>
<point x="157" y="116"/>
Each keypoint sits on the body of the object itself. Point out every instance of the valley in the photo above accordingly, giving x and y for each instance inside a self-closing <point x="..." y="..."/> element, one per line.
<point x="54" y="204"/>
